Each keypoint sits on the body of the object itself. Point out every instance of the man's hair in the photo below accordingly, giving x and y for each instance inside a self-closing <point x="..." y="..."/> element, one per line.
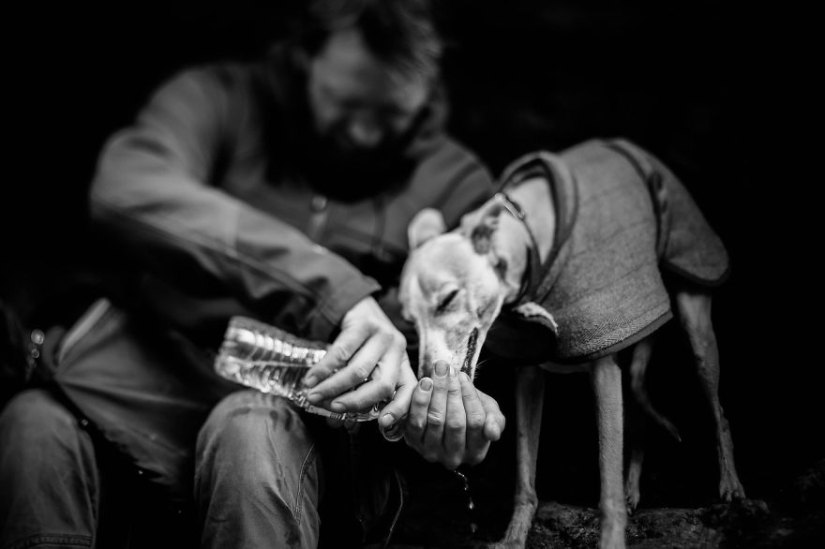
<point x="400" y="33"/>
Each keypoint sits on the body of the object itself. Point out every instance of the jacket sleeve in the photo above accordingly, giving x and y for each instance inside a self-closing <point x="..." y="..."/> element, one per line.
<point x="153" y="192"/>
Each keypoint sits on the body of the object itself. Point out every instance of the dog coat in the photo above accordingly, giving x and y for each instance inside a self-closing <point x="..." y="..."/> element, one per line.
<point x="621" y="217"/>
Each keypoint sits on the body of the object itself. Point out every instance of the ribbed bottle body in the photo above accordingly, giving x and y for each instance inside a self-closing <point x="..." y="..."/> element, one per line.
<point x="274" y="361"/>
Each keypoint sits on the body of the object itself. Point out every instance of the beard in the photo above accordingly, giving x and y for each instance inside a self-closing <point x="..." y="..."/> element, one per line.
<point x="348" y="173"/>
<point x="325" y="161"/>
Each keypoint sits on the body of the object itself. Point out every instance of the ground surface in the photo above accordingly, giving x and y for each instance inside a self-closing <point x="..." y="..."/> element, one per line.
<point x="785" y="484"/>
<point x="793" y="517"/>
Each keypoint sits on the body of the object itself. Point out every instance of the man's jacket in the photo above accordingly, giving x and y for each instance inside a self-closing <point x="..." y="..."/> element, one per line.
<point x="209" y="197"/>
<point x="210" y="191"/>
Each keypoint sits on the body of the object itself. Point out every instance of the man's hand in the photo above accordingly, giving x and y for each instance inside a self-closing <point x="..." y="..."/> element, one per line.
<point x="370" y="355"/>
<point x="450" y="421"/>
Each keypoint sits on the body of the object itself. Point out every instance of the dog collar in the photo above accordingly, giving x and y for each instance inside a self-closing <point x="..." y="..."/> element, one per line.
<point x="532" y="274"/>
<point x="513" y="207"/>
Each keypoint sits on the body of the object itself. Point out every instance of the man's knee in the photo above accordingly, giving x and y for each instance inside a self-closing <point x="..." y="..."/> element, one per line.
<point x="255" y="429"/>
<point x="38" y="424"/>
<point x="255" y="450"/>
<point x="48" y="478"/>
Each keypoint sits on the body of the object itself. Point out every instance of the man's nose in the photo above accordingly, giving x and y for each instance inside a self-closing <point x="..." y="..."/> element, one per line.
<point x="365" y="132"/>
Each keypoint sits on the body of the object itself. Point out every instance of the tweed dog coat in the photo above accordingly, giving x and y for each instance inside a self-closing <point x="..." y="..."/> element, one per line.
<point x="621" y="216"/>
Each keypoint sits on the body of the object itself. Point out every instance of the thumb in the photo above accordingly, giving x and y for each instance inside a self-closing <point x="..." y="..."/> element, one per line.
<point x="393" y="416"/>
<point x="492" y="428"/>
<point x="495" y="421"/>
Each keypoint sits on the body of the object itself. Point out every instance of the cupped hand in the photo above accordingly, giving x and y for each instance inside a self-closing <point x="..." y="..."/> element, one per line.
<point x="450" y="421"/>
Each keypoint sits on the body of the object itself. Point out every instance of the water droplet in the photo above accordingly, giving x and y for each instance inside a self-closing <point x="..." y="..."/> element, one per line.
<point x="470" y="503"/>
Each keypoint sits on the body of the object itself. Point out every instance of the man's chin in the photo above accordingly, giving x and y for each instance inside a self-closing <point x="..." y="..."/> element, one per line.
<point x="356" y="176"/>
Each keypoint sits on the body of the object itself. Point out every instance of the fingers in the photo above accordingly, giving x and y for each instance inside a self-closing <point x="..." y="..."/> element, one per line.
<point x="382" y="380"/>
<point x="455" y="431"/>
<point x="437" y="414"/>
<point x="394" y="415"/>
<point x="362" y="322"/>
<point x="350" y="426"/>
<point x="338" y="354"/>
<point x="417" y="417"/>
<point x="370" y="356"/>
<point x="450" y="421"/>
<point x="477" y="444"/>
<point x="494" y="422"/>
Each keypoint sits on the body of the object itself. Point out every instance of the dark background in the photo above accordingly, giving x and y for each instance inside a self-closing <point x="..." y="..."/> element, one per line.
<point x="720" y="92"/>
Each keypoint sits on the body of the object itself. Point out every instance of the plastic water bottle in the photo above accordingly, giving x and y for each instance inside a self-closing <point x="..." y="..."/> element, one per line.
<point x="274" y="361"/>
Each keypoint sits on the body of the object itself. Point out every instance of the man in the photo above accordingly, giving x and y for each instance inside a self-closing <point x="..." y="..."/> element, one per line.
<point x="279" y="190"/>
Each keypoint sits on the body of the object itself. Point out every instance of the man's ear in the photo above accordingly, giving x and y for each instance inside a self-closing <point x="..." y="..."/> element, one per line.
<point x="481" y="234"/>
<point x="426" y="224"/>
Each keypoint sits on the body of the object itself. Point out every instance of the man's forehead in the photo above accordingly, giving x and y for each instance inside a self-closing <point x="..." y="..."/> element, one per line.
<point x="346" y="66"/>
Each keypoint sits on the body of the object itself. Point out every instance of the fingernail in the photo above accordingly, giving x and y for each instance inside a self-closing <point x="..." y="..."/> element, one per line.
<point x="314" y="398"/>
<point x="426" y="384"/>
<point x="310" y="381"/>
<point x="387" y="419"/>
<point x="441" y="368"/>
<point x="337" y="407"/>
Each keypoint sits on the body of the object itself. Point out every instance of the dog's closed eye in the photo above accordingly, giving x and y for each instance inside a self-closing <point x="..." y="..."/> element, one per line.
<point x="446" y="301"/>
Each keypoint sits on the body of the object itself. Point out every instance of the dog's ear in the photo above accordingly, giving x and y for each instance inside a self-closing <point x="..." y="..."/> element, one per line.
<point x="426" y="224"/>
<point x="481" y="234"/>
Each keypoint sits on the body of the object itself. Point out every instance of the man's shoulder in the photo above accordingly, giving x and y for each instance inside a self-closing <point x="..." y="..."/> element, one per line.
<point x="242" y="89"/>
<point x="228" y="75"/>
<point x="452" y="159"/>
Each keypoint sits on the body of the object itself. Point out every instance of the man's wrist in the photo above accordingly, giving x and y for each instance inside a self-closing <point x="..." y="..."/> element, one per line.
<point x="325" y="322"/>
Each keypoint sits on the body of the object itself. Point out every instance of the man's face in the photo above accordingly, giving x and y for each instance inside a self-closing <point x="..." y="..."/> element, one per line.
<point x="356" y="102"/>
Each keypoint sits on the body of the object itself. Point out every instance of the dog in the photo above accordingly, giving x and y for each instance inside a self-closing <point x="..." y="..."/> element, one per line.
<point x="571" y="253"/>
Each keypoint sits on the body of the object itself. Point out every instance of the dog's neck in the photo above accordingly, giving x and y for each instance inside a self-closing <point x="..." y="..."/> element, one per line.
<point x="533" y="227"/>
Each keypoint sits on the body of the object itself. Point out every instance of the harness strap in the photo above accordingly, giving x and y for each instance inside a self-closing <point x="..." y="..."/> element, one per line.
<point x="532" y="273"/>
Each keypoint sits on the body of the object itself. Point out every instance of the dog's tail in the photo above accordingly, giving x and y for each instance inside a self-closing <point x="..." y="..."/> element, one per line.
<point x="638" y="368"/>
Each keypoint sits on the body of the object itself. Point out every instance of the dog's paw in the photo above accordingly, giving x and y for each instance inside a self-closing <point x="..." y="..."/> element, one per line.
<point x="507" y="544"/>
<point x="612" y="544"/>
<point x="631" y="489"/>
<point x="632" y="498"/>
<point x="613" y="532"/>
<point x="730" y="489"/>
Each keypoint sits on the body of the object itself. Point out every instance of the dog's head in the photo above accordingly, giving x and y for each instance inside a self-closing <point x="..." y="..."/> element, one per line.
<point x="454" y="284"/>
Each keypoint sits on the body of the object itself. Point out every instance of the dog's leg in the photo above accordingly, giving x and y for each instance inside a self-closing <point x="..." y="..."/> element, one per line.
<point x="529" y="404"/>
<point x="607" y="386"/>
<point x="694" y="313"/>
<point x="636" y="422"/>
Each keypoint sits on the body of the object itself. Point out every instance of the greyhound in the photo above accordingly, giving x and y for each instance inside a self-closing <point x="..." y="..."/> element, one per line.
<point x="574" y="244"/>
